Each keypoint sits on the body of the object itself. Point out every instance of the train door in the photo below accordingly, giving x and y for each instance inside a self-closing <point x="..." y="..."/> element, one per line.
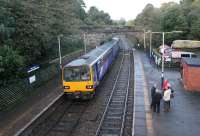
<point x="95" y="74"/>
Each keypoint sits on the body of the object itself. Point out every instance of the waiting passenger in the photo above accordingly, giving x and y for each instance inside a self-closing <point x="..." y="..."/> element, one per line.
<point x="153" y="91"/>
<point x="166" y="98"/>
<point x="156" y="101"/>
<point x="165" y="85"/>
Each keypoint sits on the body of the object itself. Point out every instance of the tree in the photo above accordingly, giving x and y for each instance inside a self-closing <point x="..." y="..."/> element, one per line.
<point x="149" y="19"/>
<point x="96" y="17"/>
<point x="31" y="27"/>
<point x="120" y="22"/>
<point x="172" y="17"/>
<point x="130" y="23"/>
<point x="6" y="23"/>
<point x="10" y="62"/>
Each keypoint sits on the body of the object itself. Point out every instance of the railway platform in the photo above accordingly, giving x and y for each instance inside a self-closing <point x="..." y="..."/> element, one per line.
<point x="15" y="119"/>
<point x="183" y="118"/>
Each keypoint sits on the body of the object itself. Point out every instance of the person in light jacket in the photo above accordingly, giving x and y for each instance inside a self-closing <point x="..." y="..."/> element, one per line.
<point x="166" y="98"/>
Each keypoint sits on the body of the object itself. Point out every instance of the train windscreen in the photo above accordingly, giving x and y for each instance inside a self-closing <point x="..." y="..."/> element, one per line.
<point x="74" y="74"/>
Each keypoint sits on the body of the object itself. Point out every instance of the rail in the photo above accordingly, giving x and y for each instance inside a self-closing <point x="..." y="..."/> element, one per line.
<point x="116" y="97"/>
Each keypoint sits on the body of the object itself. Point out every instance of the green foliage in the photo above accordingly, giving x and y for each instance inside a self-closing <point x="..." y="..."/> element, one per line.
<point x="130" y="23"/>
<point x="149" y="18"/>
<point x="6" y="23"/>
<point x="96" y="17"/>
<point x="120" y="22"/>
<point x="171" y="17"/>
<point x="10" y="62"/>
<point x="30" y="30"/>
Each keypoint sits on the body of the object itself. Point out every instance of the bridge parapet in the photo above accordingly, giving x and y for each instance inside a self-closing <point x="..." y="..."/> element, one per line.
<point x="95" y="35"/>
<point x="109" y="29"/>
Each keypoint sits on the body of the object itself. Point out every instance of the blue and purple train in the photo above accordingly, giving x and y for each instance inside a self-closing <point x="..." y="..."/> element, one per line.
<point x="81" y="76"/>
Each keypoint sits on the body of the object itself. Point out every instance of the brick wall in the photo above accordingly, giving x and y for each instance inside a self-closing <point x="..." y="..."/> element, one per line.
<point x="191" y="78"/>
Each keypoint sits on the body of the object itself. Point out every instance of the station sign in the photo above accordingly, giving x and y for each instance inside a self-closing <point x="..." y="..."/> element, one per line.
<point x="30" y="70"/>
<point x="33" y="68"/>
<point x="32" y="79"/>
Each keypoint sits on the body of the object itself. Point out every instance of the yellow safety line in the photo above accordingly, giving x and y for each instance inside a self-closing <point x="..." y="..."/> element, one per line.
<point x="149" y="121"/>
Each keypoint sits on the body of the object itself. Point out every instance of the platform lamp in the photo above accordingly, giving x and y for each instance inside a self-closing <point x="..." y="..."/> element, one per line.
<point x="59" y="50"/>
<point x="163" y="43"/>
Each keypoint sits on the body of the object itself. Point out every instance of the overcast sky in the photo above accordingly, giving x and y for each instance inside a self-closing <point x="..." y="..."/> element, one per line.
<point x="127" y="9"/>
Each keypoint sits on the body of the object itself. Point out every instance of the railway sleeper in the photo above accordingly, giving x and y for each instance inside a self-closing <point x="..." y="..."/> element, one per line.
<point x="110" y="132"/>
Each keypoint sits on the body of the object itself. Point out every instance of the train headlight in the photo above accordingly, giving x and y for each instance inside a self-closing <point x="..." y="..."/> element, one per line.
<point x="66" y="87"/>
<point x="89" y="86"/>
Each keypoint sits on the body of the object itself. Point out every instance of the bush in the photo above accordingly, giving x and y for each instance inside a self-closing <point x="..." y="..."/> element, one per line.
<point x="10" y="62"/>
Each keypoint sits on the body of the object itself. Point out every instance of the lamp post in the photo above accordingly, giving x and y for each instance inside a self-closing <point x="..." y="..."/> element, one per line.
<point x="163" y="46"/>
<point x="150" y="41"/>
<point x="144" y="40"/>
<point x="59" y="50"/>
<point x="163" y="35"/>
<point x="150" y="44"/>
<point x="84" y="42"/>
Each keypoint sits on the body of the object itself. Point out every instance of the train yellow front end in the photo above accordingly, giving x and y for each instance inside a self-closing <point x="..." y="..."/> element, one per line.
<point x="78" y="82"/>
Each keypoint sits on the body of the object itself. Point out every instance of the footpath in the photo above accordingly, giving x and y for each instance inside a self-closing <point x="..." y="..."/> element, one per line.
<point x="183" y="118"/>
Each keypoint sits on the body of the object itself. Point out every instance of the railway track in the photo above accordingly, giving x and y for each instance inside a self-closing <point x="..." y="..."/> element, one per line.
<point x="59" y="119"/>
<point x="69" y="120"/>
<point x="114" y="117"/>
<point x="63" y="117"/>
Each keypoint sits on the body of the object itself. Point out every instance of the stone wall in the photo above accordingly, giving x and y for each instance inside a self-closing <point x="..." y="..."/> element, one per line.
<point x="93" y="40"/>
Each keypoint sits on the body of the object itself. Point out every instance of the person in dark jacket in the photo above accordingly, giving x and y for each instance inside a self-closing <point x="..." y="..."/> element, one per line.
<point x="153" y="91"/>
<point x="156" y="101"/>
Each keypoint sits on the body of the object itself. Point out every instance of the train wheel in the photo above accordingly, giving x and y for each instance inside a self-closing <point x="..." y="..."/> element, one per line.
<point x="94" y="94"/>
<point x="65" y="96"/>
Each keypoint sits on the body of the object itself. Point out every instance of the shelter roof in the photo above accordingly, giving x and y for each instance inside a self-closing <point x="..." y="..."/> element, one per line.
<point x="192" y="61"/>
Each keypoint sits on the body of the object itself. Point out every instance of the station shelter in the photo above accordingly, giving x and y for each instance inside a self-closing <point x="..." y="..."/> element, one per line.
<point x="191" y="74"/>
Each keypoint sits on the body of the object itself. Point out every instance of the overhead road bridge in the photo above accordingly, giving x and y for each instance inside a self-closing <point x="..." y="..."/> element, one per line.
<point x="110" y="29"/>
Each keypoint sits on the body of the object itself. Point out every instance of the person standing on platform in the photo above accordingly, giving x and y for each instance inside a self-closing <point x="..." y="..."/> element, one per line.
<point x="153" y="91"/>
<point x="156" y="101"/>
<point x="165" y="85"/>
<point x="166" y="98"/>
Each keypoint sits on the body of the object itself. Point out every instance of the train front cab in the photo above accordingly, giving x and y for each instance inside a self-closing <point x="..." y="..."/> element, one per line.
<point x="78" y="82"/>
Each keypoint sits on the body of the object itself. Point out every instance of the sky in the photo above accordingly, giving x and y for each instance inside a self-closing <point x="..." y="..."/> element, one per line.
<point x="127" y="9"/>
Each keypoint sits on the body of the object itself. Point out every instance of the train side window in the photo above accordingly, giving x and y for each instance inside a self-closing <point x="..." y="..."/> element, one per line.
<point x="185" y="55"/>
<point x="99" y="64"/>
<point x="107" y="55"/>
<point x="94" y="73"/>
<point x="194" y="55"/>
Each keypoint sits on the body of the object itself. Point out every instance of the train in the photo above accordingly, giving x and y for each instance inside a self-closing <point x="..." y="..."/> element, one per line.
<point x="81" y="76"/>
